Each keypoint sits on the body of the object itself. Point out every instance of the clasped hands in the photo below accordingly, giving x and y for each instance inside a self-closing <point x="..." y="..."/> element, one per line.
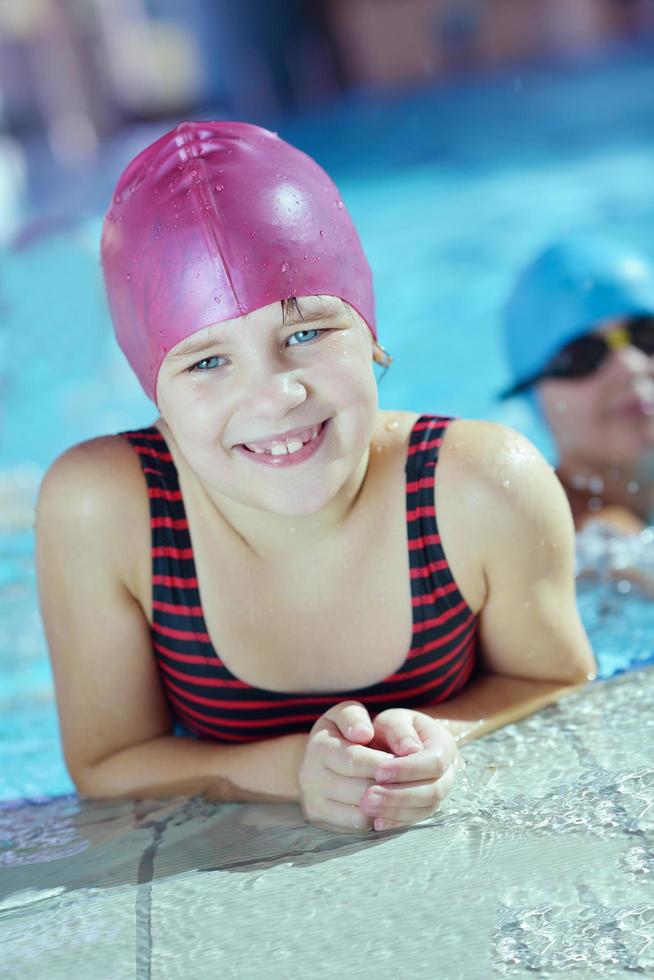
<point x="361" y="774"/>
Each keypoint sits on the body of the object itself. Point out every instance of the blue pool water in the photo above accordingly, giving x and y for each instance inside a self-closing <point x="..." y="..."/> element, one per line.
<point x="451" y="190"/>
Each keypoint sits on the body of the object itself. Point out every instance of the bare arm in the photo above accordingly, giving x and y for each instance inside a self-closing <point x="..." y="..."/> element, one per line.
<point x="92" y="546"/>
<point x="491" y="701"/>
<point x="512" y="541"/>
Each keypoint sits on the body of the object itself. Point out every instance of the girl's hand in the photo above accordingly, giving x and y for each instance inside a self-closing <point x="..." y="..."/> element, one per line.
<point x="338" y="767"/>
<point x="410" y="786"/>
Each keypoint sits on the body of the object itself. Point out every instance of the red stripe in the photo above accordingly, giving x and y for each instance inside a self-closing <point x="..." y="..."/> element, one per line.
<point x="424" y="446"/>
<point x="148" y="469"/>
<point x="431" y="423"/>
<point x="442" y="640"/>
<point x="447" y="589"/>
<point x="155" y="436"/>
<point x="426" y="570"/>
<point x="158" y="492"/>
<point x="454" y="652"/>
<point x="428" y="600"/>
<point x="210" y="659"/>
<point x="195" y="726"/>
<point x="321" y="699"/>
<point x="245" y="703"/>
<point x="459" y="682"/>
<point x="168" y="551"/>
<point x="417" y="544"/>
<point x="424" y="483"/>
<point x="156" y="453"/>
<point x="413" y="515"/>
<point x="188" y="635"/>
<point x="176" y="581"/>
<point x="456" y="666"/>
<point x="322" y="705"/>
<point x="428" y="624"/>
<point x="177" y="524"/>
<point x="392" y="696"/>
<point x="177" y="609"/>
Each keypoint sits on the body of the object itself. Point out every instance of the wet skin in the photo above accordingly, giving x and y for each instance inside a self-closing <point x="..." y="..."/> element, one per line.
<point x="312" y="548"/>
<point x="603" y="426"/>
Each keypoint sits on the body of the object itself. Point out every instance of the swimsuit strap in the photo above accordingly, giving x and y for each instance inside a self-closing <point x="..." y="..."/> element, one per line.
<point x="431" y="578"/>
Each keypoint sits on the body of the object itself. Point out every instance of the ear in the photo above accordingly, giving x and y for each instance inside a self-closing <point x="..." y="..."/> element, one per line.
<point x="381" y="356"/>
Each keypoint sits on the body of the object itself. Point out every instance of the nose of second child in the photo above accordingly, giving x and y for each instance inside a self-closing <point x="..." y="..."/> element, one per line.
<point x="635" y="368"/>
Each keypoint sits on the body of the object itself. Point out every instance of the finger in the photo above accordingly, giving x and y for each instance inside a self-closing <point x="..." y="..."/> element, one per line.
<point x="399" y="799"/>
<point x="352" y="720"/>
<point x="340" y="817"/>
<point x="396" y="729"/>
<point x="439" y="753"/>
<point x="418" y="804"/>
<point x="435" y="735"/>
<point x="349" y="759"/>
<point x="430" y="764"/>
<point x="344" y="789"/>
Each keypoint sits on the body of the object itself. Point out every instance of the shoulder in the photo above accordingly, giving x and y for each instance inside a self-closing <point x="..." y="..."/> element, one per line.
<point x="507" y="489"/>
<point x="493" y="459"/>
<point x="91" y="475"/>
<point x="95" y="494"/>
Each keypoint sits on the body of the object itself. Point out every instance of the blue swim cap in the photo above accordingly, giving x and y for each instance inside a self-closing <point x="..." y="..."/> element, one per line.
<point x="568" y="288"/>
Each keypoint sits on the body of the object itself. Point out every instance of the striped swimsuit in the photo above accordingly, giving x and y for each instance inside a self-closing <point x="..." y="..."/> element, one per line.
<point x="210" y="702"/>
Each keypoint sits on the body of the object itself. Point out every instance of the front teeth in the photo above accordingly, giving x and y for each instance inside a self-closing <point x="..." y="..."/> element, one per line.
<point x="286" y="446"/>
<point x="290" y="446"/>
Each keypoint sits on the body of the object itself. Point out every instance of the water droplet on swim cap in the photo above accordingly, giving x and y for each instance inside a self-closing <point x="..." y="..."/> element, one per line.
<point x="166" y="239"/>
<point x="220" y="187"/>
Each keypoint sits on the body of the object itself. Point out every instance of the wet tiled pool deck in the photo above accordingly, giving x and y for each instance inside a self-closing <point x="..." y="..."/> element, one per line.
<point x="541" y="862"/>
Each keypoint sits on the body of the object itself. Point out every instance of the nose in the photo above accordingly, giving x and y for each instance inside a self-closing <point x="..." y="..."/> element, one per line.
<point x="272" y="393"/>
<point x="632" y="362"/>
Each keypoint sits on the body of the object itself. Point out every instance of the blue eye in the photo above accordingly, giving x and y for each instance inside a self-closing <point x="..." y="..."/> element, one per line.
<point x="305" y="337"/>
<point x="207" y="364"/>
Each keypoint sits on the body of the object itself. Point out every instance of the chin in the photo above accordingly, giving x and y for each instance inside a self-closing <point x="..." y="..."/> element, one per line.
<point x="294" y="505"/>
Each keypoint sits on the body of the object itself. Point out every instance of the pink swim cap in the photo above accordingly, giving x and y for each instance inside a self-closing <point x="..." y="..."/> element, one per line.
<point x="215" y="220"/>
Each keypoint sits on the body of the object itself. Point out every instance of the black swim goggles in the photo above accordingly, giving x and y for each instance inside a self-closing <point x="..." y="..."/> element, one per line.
<point x="583" y="355"/>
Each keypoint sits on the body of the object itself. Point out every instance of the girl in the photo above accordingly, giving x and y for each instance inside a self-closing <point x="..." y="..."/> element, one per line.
<point x="254" y="567"/>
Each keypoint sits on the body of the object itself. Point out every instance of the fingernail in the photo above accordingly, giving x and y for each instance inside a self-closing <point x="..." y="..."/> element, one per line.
<point x="374" y="800"/>
<point x="408" y="745"/>
<point x="379" y="824"/>
<point x="359" y="731"/>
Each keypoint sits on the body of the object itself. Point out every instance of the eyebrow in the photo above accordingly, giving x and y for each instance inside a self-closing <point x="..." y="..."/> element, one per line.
<point x="194" y="347"/>
<point x="199" y="346"/>
<point x="322" y="313"/>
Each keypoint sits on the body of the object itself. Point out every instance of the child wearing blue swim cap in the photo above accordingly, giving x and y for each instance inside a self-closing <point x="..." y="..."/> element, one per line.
<point x="579" y="331"/>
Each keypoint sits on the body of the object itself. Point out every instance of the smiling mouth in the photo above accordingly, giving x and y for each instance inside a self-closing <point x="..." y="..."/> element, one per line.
<point x="285" y="447"/>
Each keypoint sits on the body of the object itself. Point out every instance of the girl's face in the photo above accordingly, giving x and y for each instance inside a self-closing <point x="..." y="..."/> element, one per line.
<point x="606" y="418"/>
<point x="274" y="414"/>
